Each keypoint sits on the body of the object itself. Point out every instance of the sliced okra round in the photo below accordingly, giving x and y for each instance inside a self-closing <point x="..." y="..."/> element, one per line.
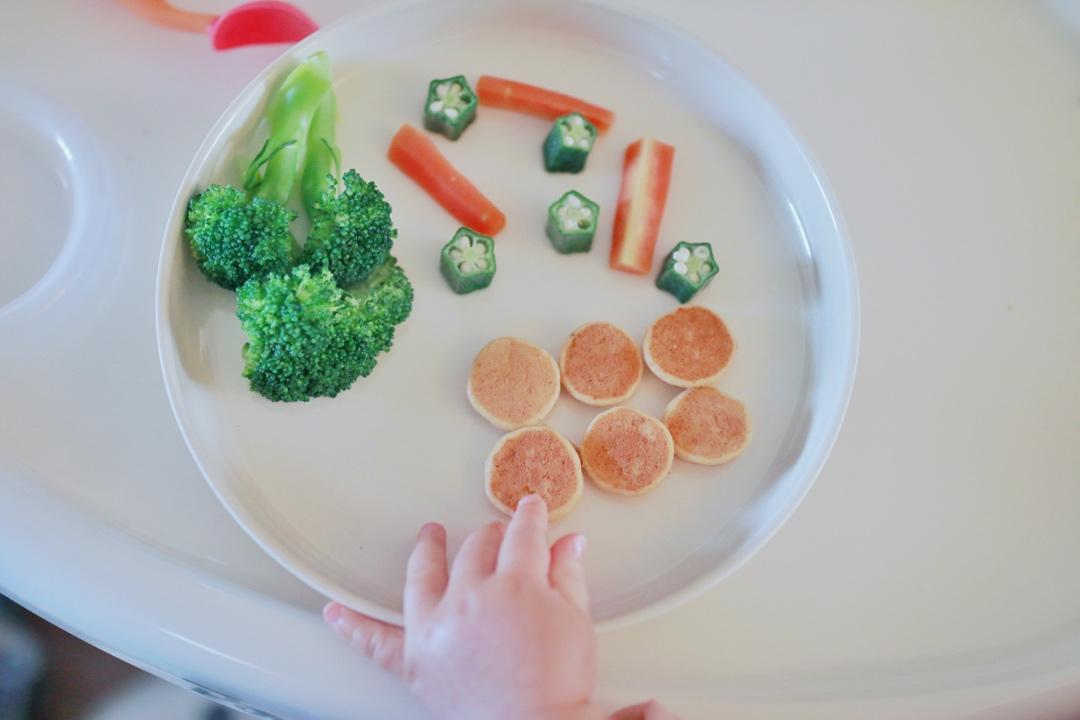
<point x="687" y="269"/>
<point x="468" y="261"/>
<point x="568" y="144"/>
<point x="450" y="106"/>
<point x="571" y="223"/>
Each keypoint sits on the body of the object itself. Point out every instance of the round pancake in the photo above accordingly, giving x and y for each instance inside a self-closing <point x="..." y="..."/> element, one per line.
<point x="532" y="460"/>
<point x="600" y="364"/>
<point x="688" y="347"/>
<point x="708" y="427"/>
<point x="625" y="451"/>
<point x="513" y="383"/>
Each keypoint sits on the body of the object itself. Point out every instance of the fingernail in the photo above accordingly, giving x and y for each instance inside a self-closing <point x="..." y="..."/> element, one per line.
<point x="428" y="529"/>
<point x="530" y="500"/>
<point x="338" y="619"/>
<point x="331" y="613"/>
<point x="579" y="546"/>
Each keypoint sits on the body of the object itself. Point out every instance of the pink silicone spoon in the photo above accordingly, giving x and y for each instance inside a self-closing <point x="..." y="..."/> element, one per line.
<point x="263" y="22"/>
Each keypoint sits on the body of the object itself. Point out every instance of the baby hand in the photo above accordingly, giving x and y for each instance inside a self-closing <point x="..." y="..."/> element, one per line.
<point x="505" y="634"/>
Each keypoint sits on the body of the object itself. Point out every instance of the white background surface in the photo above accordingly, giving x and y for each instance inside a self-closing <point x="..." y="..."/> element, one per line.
<point x="930" y="573"/>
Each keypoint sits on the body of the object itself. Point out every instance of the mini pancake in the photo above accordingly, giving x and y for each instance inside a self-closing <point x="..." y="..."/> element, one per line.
<point x="626" y="451"/>
<point x="600" y="364"/>
<point x="688" y="347"/>
<point x="708" y="427"/>
<point x="532" y="460"/>
<point x="513" y="383"/>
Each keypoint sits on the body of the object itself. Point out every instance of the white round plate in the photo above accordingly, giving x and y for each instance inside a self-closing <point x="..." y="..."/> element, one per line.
<point x="335" y="489"/>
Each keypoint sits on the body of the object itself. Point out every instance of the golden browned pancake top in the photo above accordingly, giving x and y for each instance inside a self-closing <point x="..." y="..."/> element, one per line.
<point x="601" y="361"/>
<point x="626" y="449"/>
<point x="691" y="343"/>
<point x="534" y="460"/>
<point x="514" y="380"/>
<point x="707" y="423"/>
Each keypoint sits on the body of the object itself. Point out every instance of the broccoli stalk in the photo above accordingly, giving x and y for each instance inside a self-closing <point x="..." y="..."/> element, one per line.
<point x="323" y="157"/>
<point x="289" y="116"/>
<point x="308" y="338"/>
<point x="235" y="235"/>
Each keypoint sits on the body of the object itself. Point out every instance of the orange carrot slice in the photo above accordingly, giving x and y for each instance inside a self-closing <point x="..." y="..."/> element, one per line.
<point x="532" y="100"/>
<point x="645" y="180"/>
<point x="416" y="156"/>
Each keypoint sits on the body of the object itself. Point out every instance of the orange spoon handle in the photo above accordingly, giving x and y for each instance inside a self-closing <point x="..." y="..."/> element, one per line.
<point x="162" y="13"/>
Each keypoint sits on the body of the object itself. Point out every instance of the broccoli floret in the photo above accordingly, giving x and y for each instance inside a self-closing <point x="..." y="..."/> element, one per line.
<point x="386" y="299"/>
<point x="237" y="235"/>
<point x="351" y="232"/>
<point x="308" y="338"/>
<point x="234" y="238"/>
<point x="304" y="337"/>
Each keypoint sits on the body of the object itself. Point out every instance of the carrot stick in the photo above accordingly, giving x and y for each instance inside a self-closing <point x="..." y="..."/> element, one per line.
<point x="532" y="100"/>
<point x="646" y="177"/>
<point x="416" y="156"/>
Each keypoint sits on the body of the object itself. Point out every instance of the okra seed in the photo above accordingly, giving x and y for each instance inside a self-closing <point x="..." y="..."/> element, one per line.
<point x="702" y="252"/>
<point x="681" y="255"/>
<point x="441" y="89"/>
<point x="451" y="113"/>
<point x="694" y="277"/>
<point x="583" y="223"/>
<point x="456" y="88"/>
<point x="435" y="106"/>
<point x="568" y="141"/>
<point x="456" y="254"/>
<point x="481" y="264"/>
<point x="576" y="120"/>
<point x="466" y="267"/>
<point x="586" y="212"/>
<point x="573" y="201"/>
<point x="680" y="268"/>
<point x="583" y="143"/>
<point x="569" y="224"/>
<point x="464" y="241"/>
<point x="706" y="267"/>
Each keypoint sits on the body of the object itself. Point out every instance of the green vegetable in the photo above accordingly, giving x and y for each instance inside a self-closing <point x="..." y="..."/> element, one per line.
<point x="234" y="235"/>
<point x="233" y="238"/>
<point x="308" y="338"/>
<point x="289" y="115"/>
<point x="386" y="300"/>
<point x="322" y="157"/>
<point x="468" y="261"/>
<point x="568" y="144"/>
<point x="351" y="233"/>
<point x="450" y="106"/>
<point x="571" y="223"/>
<point x="688" y="268"/>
